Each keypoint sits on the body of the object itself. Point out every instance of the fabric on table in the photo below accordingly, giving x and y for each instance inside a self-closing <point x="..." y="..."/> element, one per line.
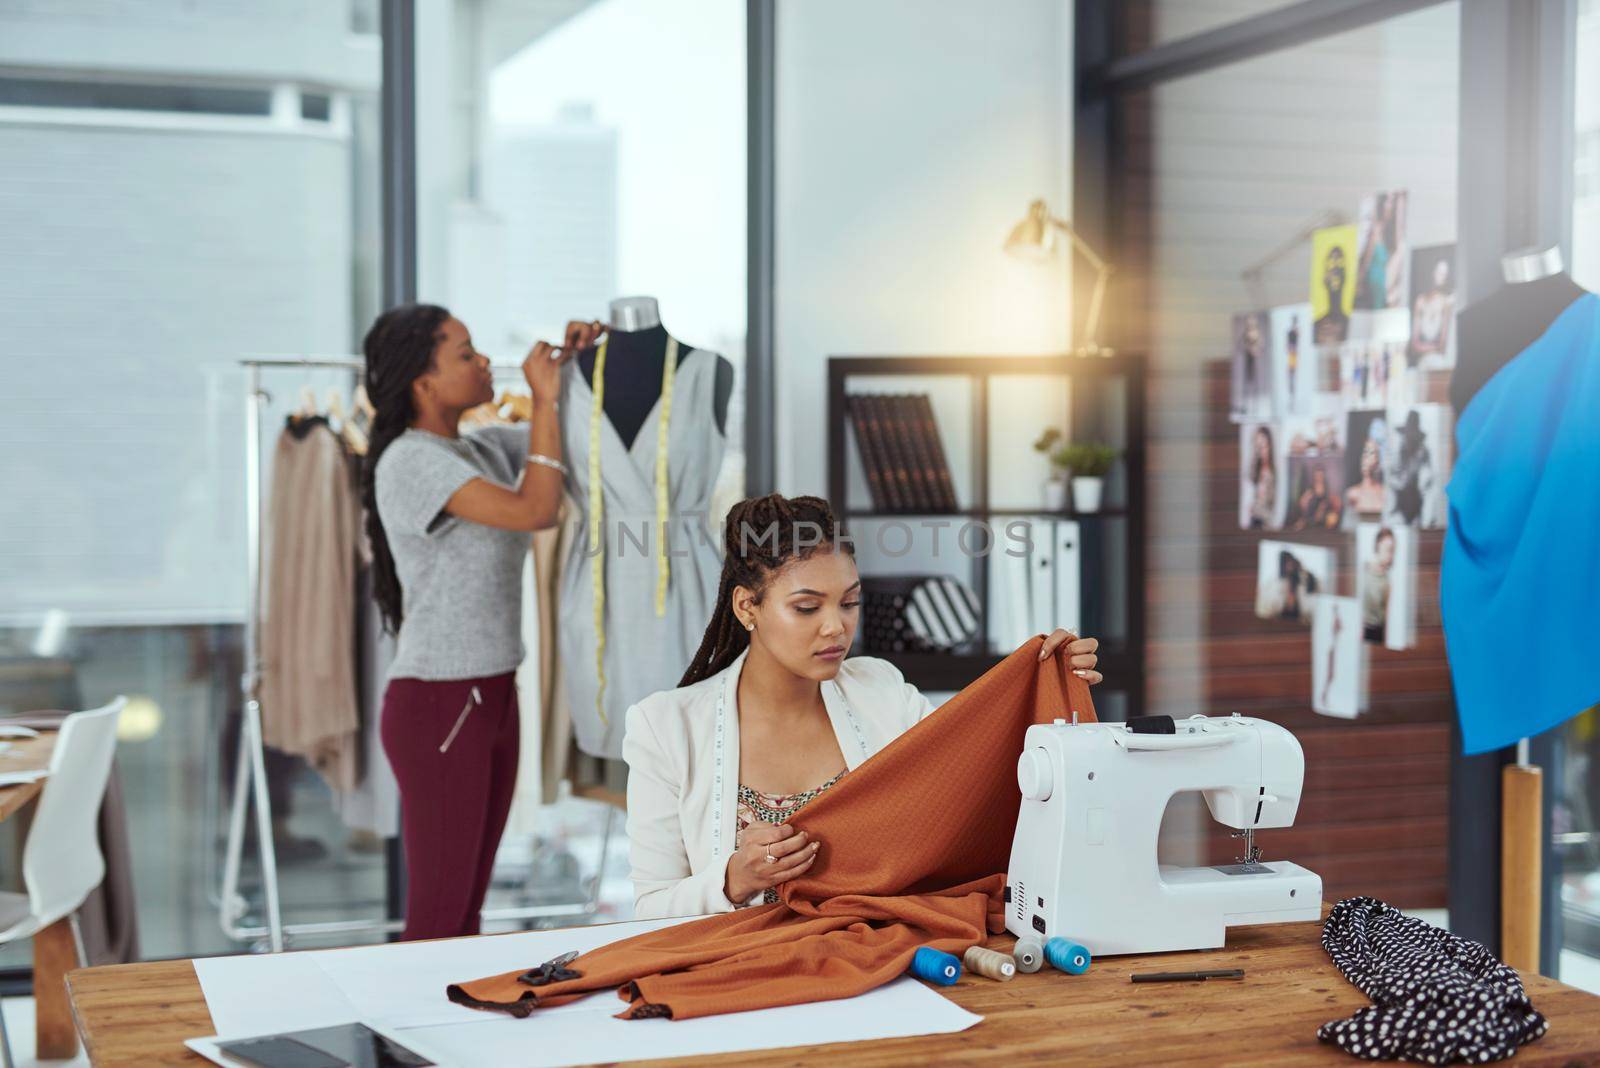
<point x="753" y="806"/>
<point x="1436" y="997"/>
<point x="877" y="892"/>
<point x="1519" y="553"/>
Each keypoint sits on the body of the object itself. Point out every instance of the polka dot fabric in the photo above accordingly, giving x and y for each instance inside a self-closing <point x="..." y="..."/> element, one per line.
<point x="1437" y="998"/>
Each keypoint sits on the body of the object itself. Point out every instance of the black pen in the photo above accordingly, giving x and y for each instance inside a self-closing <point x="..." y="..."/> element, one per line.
<point x="1178" y="977"/>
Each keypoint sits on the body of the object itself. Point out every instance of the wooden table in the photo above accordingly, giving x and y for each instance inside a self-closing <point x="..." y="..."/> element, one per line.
<point x="54" y="949"/>
<point x="139" y="1014"/>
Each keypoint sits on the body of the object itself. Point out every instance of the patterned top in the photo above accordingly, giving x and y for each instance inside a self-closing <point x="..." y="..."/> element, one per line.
<point x="755" y="806"/>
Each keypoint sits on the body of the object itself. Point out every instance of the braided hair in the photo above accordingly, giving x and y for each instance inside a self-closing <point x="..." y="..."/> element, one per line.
<point x="399" y="350"/>
<point x="761" y="535"/>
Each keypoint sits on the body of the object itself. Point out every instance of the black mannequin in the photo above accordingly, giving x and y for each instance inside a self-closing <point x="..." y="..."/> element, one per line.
<point x="1497" y="328"/>
<point x="635" y="360"/>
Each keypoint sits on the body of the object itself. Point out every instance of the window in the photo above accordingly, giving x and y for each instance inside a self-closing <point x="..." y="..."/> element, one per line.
<point x="163" y="218"/>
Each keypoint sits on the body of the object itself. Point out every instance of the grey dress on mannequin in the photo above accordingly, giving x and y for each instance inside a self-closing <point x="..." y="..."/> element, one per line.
<point x="644" y="652"/>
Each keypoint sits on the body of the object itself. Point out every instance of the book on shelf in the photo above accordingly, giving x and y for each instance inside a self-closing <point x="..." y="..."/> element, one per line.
<point x="872" y="463"/>
<point x="907" y="435"/>
<point x="902" y="455"/>
<point x="938" y="463"/>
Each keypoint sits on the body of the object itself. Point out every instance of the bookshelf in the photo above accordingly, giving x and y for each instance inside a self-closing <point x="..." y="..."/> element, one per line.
<point x="989" y="409"/>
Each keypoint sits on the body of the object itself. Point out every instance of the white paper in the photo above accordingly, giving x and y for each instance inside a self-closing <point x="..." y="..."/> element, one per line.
<point x="18" y="778"/>
<point x="266" y="993"/>
<point x="400" y="988"/>
<point x="591" y="1033"/>
<point x="402" y="984"/>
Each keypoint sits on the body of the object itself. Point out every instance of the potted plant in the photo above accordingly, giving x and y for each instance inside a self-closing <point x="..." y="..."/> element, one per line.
<point x="1055" y="487"/>
<point x="1089" y="462"/>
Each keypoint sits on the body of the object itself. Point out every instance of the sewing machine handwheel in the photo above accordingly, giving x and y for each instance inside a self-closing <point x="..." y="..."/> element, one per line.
<point x="1067" y="956"/>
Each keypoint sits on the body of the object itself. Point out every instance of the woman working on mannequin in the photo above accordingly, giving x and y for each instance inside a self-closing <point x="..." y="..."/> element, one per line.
<point x="768" y="716"/>
<point x="448" y="516"/>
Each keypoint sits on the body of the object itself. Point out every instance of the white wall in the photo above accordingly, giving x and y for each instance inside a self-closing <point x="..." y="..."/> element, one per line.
<point x="911" y="135"/>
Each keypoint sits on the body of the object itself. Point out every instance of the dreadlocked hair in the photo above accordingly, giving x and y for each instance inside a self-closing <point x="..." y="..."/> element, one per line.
<point x="399" y="350"/>
<point x="760" y="536"/>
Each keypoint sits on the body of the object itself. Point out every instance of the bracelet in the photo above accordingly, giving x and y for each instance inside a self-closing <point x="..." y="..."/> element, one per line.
<point x="547" y="461"/>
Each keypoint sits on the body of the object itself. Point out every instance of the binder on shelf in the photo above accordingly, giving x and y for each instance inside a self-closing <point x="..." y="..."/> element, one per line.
<point x="1068" y="566"/>
<point x="1011" y="618"/>
<point x="1042" y="591"/>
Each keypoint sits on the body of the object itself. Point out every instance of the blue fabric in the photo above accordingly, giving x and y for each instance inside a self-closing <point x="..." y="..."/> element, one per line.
<point x="1520" y="577"/>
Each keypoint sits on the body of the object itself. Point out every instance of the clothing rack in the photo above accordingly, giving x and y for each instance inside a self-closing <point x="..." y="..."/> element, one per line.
<point x="250" y="773"/>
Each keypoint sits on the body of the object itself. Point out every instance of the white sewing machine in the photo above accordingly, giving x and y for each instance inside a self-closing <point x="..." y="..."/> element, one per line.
<point x="1083" y="862"/>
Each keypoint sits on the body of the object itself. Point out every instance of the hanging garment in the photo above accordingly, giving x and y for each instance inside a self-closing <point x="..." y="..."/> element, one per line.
<point x="308" y="674"/>
<point x="1519" y="553"/>
<point x="914" y="841"/>
<point x="654" y="602"/>
<point x="1437" y="997"/>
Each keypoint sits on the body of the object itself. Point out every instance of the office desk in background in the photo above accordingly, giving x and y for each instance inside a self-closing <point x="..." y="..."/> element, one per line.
<point x="54" y="949"/>
<point x="139" y="1014"/>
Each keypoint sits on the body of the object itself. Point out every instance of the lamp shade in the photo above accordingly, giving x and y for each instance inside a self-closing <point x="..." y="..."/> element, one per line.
<point x="1033" y="237"/>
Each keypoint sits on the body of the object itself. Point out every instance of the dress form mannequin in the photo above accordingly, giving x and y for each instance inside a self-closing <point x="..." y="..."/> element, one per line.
<point x="1495" y="329"/>
<point x="638" y="343"/>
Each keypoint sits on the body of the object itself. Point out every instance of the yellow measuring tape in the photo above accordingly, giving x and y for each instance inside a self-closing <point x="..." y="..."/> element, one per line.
<point x="596" y="545"/>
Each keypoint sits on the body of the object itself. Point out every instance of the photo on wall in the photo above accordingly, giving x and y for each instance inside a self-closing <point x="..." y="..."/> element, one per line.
<point x="1372" y="374"/>
<point x="1338" y="662"/>
<point x="1366" y="439"/>
<point x="1251" y="379"/>
<point x="1386" y="584"/>
<point x="1294" y="360"/>
<point x="1383" y="265"/>
<point x="1314" y="468"/>
<point x="1418" y="467"/>
<point x="1333" y="255"/>
<point x="1433" y="308"/>
<point x="1263" y="490"/>
<point x="1289" y="579"/>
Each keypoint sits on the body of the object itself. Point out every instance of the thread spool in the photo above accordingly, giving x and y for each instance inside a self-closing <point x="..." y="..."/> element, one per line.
<point x="1029" y="955"/>
<point x="936" y="967"/>
<point x="1068" y="956"/>
<point x="989" y="964"/>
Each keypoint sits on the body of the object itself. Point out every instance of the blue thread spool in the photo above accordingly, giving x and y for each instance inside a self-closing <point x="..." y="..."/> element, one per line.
<point x="1068" y="956"/>
<point x="1029" y="955"/>
<point x="936" y="967"/>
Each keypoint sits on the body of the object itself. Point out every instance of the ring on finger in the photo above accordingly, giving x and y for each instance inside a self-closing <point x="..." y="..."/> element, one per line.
<point x="771" y="859"/>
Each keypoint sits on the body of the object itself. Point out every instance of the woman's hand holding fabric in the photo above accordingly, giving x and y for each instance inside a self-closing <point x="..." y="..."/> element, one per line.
<point x="1080" y="653"/>
<point x="769" y="854"/>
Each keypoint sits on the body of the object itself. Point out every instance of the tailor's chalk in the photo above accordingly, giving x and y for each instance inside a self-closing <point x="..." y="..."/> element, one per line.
<point x="1029" y="955"/>
<point x="935" y="966"/>
<point x="1180" y="977"/>
<point x="1068" y="956"/>
<point x="989" y="964"/>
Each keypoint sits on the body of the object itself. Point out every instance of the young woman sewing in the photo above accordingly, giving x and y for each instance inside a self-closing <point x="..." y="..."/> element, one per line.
<point x="448" y="516"/>
<point x="769" y="715"/>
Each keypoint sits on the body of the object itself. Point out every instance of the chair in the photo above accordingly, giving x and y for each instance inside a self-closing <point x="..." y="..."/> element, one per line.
<point x="61" y="861"/>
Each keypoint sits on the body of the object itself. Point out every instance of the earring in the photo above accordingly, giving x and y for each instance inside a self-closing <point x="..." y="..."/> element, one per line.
<point x="750" y="626"/>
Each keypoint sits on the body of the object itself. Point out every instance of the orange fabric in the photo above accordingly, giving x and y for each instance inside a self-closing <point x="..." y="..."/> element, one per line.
<point x="915" y="843"/>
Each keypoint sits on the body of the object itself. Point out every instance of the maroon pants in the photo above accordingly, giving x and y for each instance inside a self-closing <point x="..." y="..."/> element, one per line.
<point x="453" y="747"/>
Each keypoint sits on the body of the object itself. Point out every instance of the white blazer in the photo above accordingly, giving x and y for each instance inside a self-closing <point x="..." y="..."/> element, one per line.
<point x="683" y="774"/>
